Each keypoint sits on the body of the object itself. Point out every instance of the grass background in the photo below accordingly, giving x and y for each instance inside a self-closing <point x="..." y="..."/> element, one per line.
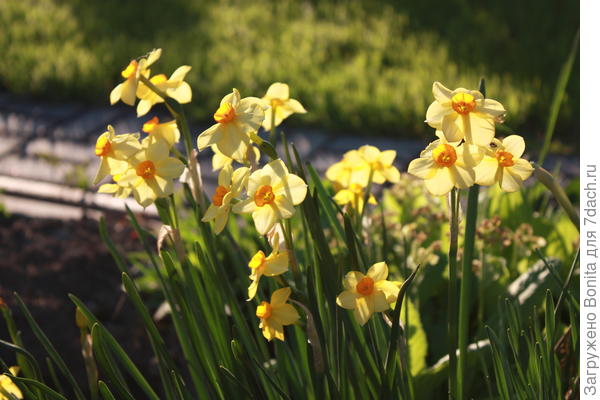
<point x="363" y="67"/>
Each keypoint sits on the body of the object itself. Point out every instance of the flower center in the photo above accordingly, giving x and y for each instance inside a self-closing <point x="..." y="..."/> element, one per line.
<point x="355" y="188"/>
<point x="264" y="310"/>
<point x="103" y="146"/>
<point x="150" y="125"/>
<point x="257" y="260"/>
<point x="264" y="195"/>
<point x="463" y="103"/>
<point x="276" y="103"/>
<point x="444" y="155"/>
<point x="225" y="113"/>
<point x="365" y="286"/>
<point x="505" y="159"/>
<point x="146" y="169"/>
<point x="129" y="71"/>
<point x="158" y="79"/>
<point x="220" y="192"/>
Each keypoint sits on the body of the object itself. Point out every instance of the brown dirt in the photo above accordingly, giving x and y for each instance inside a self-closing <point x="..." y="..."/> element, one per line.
<point x="43" y="261"/>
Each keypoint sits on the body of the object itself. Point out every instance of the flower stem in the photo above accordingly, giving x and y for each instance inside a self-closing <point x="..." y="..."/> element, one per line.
<point x="466" y="286"/>
<point x="452" y="294"/>
<point x="273" y="134"/>
<point x="289" y="244"/>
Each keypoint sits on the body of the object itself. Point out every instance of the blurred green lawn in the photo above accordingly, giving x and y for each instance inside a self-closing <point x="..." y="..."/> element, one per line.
<point x="365" y="67"/>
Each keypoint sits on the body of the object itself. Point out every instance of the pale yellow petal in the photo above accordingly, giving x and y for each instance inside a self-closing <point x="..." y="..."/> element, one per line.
<point x="461" y="176"/>
<point x="378" y="272"/>
<point x="276" y="264"/>
<point x="264" y="218"/>
<point x="115" y="94"/>
<point x="379" y="300"/>
<point x="253" y="288"/>
<point x="364" y="309"/>
<point x="182" y="93"/>
<point x="435" y="113"/>
<point x="284" y="207"/>
<point x="522" y="169"/>
<point x="452" y="127"/>
<point x="170" y="168"/>
<point x="423" y="168"/>
<point x="478" y="129"/>
<point x="284" y="314"/>
<point x="441" y="93"/>
<point x="490" y="107"/>
<point x="279" y="91"/>
<point x="514" y="144"/>
<point x="389" y="289"/>
<point x="295" y="106"/>
<point x="509" y="182"/>
<point x="441" y="183"/>
<point x="351" y="279"/>
<point x="280" y="296"/>
<point x="225" y="175"/>
<point x="245" y="206"/>
<point x="209" y="137"/>
<point x="296" y="189"/>
<point x="347" y="300"/>
<point x="486" y="173"/>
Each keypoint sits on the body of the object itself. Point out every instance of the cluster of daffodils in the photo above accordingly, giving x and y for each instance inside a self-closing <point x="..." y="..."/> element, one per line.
<point x="143" y="166"/>
<point x="358" y="169"/>
<point x="269" y="193"/>
<point x="466" y="151"/>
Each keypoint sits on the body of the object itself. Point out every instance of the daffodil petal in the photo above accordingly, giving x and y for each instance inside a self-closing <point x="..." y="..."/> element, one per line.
<point x="378" y="272"/>
<point x="284" y="314"/>
<point x="351" y="279"/>
<point x="440" y="183"/>
<point x="486" y="172"/>
<point x="423" y="168"/>
<point x="347" y="300"/>
<point x="379" y="300"/>
<point x="462" y="177"/>
<point x="277" y="265"/>
<point x="522" y="168"/>
<point x="280" y="296"/>
<point x="389" y="289"/>
<point x="514" y="144"/>
<point x="364" y="309"/>
<point x="264" y="218"/>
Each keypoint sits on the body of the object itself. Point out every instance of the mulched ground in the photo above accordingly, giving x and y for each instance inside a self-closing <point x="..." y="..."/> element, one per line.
<point x="44" y="260"/>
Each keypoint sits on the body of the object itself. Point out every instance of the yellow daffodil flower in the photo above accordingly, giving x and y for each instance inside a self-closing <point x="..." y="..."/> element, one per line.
<point x="126" y="91"/>
<point x="115" y="189"/>
<point x="446" y="165"/>
<point x="354" y="195"/>
<point x="380" y="162"/>
<point x="274" y="264"/>
<point x="276" y="314"/>
<point x="8" y="386"/>
<point x="279" y="104"/>
<point x="502" y="164"/>
<point x="230" y="186"/>
<point x="366" y="294"/>
<point x="351" y="169"/>
<point x="114" y="151"/>
<point x="463" y="113"/>
<point x="167" y="131"/>
<point x="219" y="160"/>
<point x="273" y="192"/>
<point x="174" y="87"/>
<point x="235" y="118"/>
<point x="151" y="172"/>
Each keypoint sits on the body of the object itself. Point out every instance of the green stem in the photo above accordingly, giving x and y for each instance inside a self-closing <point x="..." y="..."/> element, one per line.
<point x="466" y="287"/>
<point x="452" y="294"/>
<point x="292" y="255"/>
<point x="273" y="134"/>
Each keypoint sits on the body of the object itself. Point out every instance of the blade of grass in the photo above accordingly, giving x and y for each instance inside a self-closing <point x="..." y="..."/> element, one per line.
<point x="559" y="93"/>
<point x="50" y="349"/>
